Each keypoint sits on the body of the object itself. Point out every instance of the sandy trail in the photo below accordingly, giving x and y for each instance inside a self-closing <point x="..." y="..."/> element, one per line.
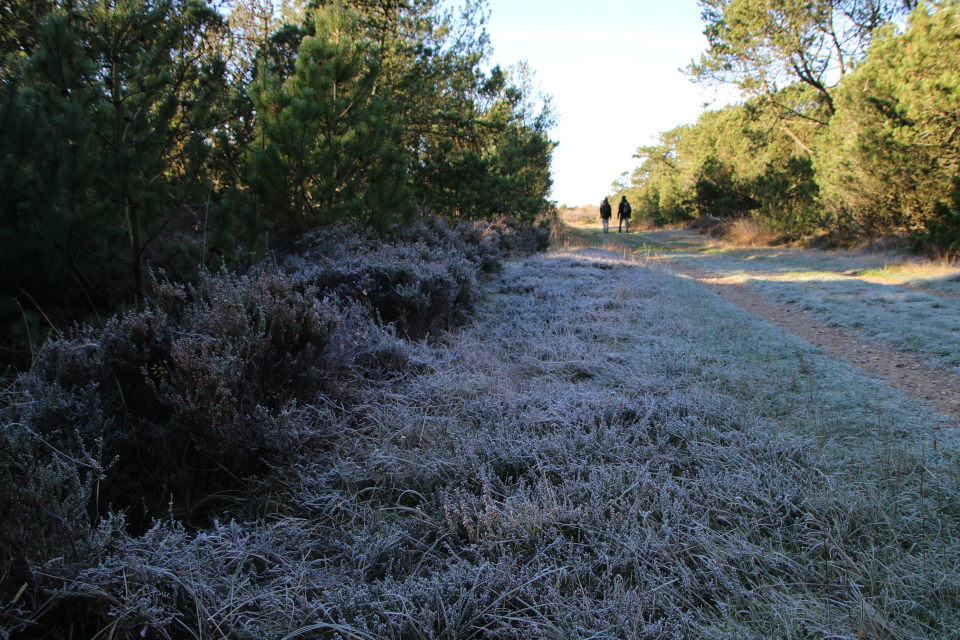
<point x="935" y="387"/>
<point x="938" y="388"/>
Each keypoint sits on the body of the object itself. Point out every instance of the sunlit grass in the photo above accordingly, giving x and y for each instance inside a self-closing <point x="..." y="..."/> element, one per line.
<point x="937" y="275"/>
<point x="890" y="298"/>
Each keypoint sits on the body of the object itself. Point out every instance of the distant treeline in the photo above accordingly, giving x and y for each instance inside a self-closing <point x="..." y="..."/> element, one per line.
<point x="177" y="134"/>
<point x="849" y="124"/>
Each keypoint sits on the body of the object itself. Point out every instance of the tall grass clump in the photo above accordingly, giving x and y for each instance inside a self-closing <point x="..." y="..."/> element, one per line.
<point x="606" y="450"/>
<point x="738" y="232"/>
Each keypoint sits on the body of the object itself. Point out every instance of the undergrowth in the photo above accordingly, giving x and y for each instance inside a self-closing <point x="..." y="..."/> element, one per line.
<point x="606" y="451"/>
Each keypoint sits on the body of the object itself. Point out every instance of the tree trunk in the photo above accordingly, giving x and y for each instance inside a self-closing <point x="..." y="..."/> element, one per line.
<point x="136" y="248"/>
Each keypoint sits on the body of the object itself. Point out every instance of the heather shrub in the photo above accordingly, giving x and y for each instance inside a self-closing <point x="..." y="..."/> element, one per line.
<point x="336" y="242"/>
<point x="426" y="278"/>
<point x="485" y="243"/>
<point x="484" y="250"/>
<point x="205" y="389"/>
<point x="51" y="472"/>
<point x="413" y="286"/>
<point x="195" y="402"/>
<point x="202" y="405"/>
<point x="515" y="238"/>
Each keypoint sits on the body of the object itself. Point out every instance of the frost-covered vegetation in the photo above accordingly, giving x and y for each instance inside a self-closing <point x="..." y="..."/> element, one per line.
<point x="888" y="297"/>
<point x="607" y="451"/>
<point x="192" y="409"/>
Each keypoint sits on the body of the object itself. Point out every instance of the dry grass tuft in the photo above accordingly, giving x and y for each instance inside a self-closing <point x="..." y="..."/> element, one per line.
<point x="917" y="271"/>
<point x="741" y="232"/>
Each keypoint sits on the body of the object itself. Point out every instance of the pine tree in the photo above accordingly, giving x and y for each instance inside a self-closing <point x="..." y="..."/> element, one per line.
<point x="328" y="147"/>
<point x="103" y="142"/>
<point x="893" y="148"/>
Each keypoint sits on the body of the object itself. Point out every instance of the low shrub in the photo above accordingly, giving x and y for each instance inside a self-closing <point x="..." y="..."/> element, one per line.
<point x="426" y="279"/>
<point x="704" y="224"/>
<point x="174" y="411"/>
<point x="193" y="410"/>
<point x="416" y="287"/>
<point x="204" y="389"/>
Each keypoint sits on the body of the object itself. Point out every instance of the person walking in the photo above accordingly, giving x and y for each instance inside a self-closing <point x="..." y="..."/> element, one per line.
<point x="605" y="213"/>
<point x="623" y="213"/>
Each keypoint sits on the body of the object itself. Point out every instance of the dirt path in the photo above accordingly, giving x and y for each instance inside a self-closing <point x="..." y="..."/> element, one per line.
<point x="935" y="387"/>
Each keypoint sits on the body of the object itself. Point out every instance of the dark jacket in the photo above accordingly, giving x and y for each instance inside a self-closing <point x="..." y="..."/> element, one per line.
<point x="623" y="211"/>
<point x="605" y="211"/>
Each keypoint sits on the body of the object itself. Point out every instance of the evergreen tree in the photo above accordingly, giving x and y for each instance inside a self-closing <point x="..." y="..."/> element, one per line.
<point x="893" y="152"/>
<point x="523" y="151"/>
<point x="453" y="117"/>
<point x="732" y="162"/>
<point x="20" y="22"/>
<point x="764" y="47"/>
<point x="102" y="148"/>
<point x="253" y="23"/>
<point x="328" y="146"/>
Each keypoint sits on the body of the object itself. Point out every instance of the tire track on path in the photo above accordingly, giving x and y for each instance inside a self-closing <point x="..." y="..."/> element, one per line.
<point x="937" y="388"/>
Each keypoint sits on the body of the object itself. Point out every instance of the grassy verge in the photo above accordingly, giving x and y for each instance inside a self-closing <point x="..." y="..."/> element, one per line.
<point x="608" y="451"/>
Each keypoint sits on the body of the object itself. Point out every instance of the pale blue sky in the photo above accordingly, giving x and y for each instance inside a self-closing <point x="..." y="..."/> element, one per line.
<point x="612" y="67"/>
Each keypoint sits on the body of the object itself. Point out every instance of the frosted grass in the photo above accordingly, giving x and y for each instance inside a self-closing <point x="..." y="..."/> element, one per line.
<point x="907" y="303"/>
<point x="607" y="451"/>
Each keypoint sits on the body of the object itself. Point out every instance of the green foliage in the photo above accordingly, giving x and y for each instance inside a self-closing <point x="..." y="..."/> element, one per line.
<point x="734" y="162"/>
<point x="893" y="154"/>
<point x="941" y="233"/>
<point x="135" y="136"/>
<point x="475" y="145"/>
<point x="810" y="73"/>
<point x="103" y="151"/>
<point x="717" y="192"/>
<point x="789" y="197"/>
<point x="327" y="146"/>
<point x="763" y="47"/>
<point x="846" y="127"/>
<point x="454" y="182"/>
<point x="503" y="167"/>
<point x="20" y="21"/>
<point x="659" y="180"/>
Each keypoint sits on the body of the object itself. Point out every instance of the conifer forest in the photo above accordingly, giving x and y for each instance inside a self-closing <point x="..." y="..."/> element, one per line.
<point x="294" y="342"/>
<point x="847" y="127"/>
